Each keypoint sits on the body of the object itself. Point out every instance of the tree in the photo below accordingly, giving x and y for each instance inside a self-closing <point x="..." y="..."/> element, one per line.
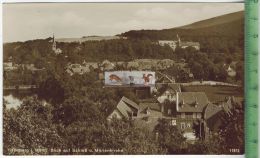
<point x="211" y="146"/>
<point x="77" y="118"/>
<point x="240" y="72"/>
<point x="10" y="137"/>
<point x="52" y="90"/>
<point x="169" y="137"/>
<point x="232" y="130"/>
<point x="131" y="139"/>
<point x="197" y="70"/>
<point x="30" y="127"/>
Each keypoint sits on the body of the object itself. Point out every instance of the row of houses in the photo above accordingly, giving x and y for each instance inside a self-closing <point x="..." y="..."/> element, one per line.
<point x="10" y="66"/>
<point x="106" y="65"/>
<point x="185" y="110"/>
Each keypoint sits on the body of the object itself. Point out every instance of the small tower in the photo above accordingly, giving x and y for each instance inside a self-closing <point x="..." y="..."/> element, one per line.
<point x="179" y="40"/>
<point x="53" y="43"/>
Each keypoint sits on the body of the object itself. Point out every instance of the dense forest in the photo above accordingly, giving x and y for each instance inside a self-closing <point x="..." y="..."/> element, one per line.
<point x="113" y="50"/>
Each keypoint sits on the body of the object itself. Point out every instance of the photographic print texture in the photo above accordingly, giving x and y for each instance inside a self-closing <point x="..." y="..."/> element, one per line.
<point x="123" y="78"/>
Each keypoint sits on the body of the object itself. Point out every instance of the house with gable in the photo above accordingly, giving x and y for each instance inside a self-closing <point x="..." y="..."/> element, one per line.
<point x="167" y="92"/>
<point x="125" y="108"/>
<point x="107" y="65"/>
<point x="213" y="114"/>
<point x="189" y="110"/>
<point x="163" y="78"/>
<point x="144" y="114"/>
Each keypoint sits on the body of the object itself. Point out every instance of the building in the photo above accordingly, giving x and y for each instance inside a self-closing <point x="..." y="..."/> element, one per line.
<point x="185" y="44"/>
<point x="189" y="110"/>
<point x="231" y="71"/>
<point x="213" y="114"/>
<point x="163" y="78"/>
<point x="9" y="65"/>
<point x="179" y="43"/>
<point x="125" y="108"/>
<point x="54" y="47"/>
<point x="167" y="92"/>
<point x="172" y="44"/>
<point x="195" y="45"/>
<point x="107" y="65"/>
<point x="144" y="114"/>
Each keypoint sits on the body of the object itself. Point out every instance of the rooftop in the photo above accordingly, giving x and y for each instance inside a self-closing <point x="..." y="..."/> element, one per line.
<point x="191" y="101"/>
<point x="189" y="44"/>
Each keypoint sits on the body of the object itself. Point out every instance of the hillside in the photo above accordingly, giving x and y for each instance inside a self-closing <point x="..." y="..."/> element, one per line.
<point x="222" y="34"/>
<point x="228" y="18"/>
<point x="87" y="38"/>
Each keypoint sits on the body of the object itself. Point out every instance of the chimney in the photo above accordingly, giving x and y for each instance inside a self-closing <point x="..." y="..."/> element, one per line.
<point x="196" y="103"/>
<point x="162" y="107"/>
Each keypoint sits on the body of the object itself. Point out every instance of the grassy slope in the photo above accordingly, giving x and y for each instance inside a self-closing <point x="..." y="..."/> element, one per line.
<point x="216" y="21"/>
<point x="229" y="25"/>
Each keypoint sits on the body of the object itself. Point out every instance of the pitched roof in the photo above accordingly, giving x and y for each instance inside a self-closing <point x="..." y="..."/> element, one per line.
<point x="186" y="101"/>
<point x="172" y="87"/>
<point x="189" y="44"/>
<point x="160" y="77"/>
<point x="130" y="102"/>
<point x="211" y="110"/>
<point x="127" y="106"/>
<point x="152" y="106"/>
<point x="226" y="105"/>
<point x="213" y="116"/>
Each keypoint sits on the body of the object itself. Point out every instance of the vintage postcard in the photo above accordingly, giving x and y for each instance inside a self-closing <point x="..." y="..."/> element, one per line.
<point x="123" y="78"/>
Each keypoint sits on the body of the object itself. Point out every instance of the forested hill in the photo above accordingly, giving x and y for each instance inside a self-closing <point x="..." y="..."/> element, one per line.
<point x="222" y="34"/>
<point x="228" y="18"/>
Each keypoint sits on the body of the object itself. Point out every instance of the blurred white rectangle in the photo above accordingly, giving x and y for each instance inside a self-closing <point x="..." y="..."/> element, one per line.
<point x="129" y="78"/>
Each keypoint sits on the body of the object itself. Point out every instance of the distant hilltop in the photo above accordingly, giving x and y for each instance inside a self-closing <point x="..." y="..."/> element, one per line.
<point x="88" y="38"/>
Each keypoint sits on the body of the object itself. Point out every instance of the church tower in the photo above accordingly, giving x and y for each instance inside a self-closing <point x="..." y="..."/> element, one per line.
<point x="53" y="43"/>
<point x="179" y="40"/>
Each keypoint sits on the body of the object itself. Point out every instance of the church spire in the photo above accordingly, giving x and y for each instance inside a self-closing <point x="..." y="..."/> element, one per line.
<point x="178" y="38"/>
<point x="53" y="43"/>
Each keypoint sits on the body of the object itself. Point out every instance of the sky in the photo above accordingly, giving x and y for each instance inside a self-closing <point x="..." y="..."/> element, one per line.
<point x="27" y="21"/>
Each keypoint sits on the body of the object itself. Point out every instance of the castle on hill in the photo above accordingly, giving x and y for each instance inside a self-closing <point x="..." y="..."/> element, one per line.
<point x="178" y="43"/>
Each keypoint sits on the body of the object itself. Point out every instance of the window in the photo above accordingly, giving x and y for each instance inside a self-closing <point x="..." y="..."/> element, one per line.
<point x="174" y="123"/>
<point x="199" y="115"/>
<point x="194" y="115"/>
<point x="182" y="125"/>
<point x="183" y="115"/>
<point x="188" y="125"/>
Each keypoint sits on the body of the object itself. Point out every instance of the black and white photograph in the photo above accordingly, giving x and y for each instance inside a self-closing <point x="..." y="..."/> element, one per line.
<point x="123" y="78"/>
